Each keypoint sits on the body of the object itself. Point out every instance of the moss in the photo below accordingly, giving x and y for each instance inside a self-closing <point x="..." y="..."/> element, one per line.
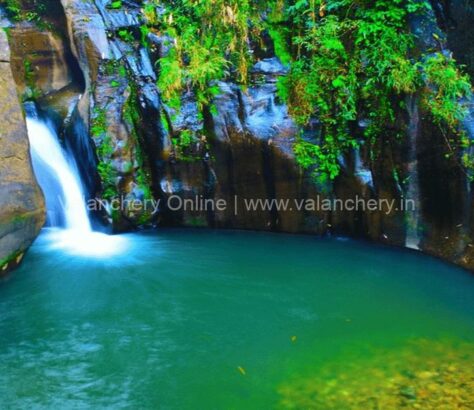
<point x="105" y="149"/>
<point x="165" y="124"/>
<point x="15" y="257"/>
<point x="115" y="5"/>
<point x="113" y="67"/>
<point x="131" y="115"/>
<point x="32" y="92"/>
<point x="280" y="44"/>
<point x="122" y="71"/>
<point x="7" y="32"/>
<point x="126" y="35"/>
<point x="33" y="11"/>
<point x="183" y="145"/>
<point x="21" y="219"/>
<point x="108" y="176"/>
<point x="144" y="31"/>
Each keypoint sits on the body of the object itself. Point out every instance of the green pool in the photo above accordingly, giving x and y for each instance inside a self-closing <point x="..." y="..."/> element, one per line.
<point x="184" y="319"/>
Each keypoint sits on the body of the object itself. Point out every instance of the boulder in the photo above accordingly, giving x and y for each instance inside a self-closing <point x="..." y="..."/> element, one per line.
<point x="22" y="211"/>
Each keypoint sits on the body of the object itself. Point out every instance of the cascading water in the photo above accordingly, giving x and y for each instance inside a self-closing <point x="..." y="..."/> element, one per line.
<point x="58" y="176"/>
<point x="413" y="217"/>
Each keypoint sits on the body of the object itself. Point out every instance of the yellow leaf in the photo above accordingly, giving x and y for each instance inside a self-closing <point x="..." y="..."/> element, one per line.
<point x="322" y="9"/>
<point x="293" y="339"/>
<point x="230" y="14"/>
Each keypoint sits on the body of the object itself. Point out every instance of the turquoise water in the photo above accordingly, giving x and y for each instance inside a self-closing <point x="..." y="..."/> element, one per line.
<point x="212" y="320"/>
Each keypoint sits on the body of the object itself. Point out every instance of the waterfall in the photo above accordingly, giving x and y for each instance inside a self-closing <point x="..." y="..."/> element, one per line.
<point x="57" y="174"/>
<point x="413" y="238"/>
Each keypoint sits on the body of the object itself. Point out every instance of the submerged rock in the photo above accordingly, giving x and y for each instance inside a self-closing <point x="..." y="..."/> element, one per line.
<point x="421" y="374"/>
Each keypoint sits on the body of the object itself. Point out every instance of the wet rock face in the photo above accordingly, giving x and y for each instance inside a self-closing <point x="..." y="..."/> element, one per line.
<point x="120" y="91"/>
<point x="39" y="61"/>
<point x="118" y="126"/>
<point x="249" y="155"/>
<point x="21" y="202"/>
<point x="443" y="189"/>
<point x="456" y="17"/>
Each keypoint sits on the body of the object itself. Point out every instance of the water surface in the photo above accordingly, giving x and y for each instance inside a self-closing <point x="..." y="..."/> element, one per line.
<point x="213" y="320"/>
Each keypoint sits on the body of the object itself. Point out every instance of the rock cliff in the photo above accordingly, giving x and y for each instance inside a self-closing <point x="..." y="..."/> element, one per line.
<point x="21" y="201"/>
<point x="96" y="72"/>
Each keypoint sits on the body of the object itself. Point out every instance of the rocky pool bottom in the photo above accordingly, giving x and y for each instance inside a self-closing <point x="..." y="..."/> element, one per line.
<point x="184" y="319"/>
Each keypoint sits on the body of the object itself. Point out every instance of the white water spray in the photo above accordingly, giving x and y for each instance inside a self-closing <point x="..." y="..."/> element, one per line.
<point x="59" y="179"/>
<point x="47" y="153"/>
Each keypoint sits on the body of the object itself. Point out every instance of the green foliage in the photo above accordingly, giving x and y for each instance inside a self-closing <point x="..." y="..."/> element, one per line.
<point x="209" y="39"/>
<point x="13" y="8"/>
<point x="307" y="154"/>
<point x="29" y="73"/>
<point x="15" y="256"/>
<point x="111" y="67"/>
<point x="151" y="16"/>
<point x="349" y="60"/>
<point x="185" y="140"/>
<point x="104" y="150"/>
<point x="132" y="116"/>
<point x="117" y="4"/>
<point x="32" y="92"/>
<point x="353" y="60"/>
<point x="33" y="11"/>
<point x="280" y="44"/>
<point x="122" y="71"/>
<point x="126" y="36"/>
<point x="144" y="31"/>
<point x="183" y="145"/>
<point x="98" y="123"/>
<point x="447" y="85"/>
<point x="108" y="177"/>
<point x="170" y="81"/>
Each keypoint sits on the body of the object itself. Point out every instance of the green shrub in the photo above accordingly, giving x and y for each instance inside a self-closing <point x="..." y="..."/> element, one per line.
<point x="354" y="60"/>
<point x="349" y="60"/>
